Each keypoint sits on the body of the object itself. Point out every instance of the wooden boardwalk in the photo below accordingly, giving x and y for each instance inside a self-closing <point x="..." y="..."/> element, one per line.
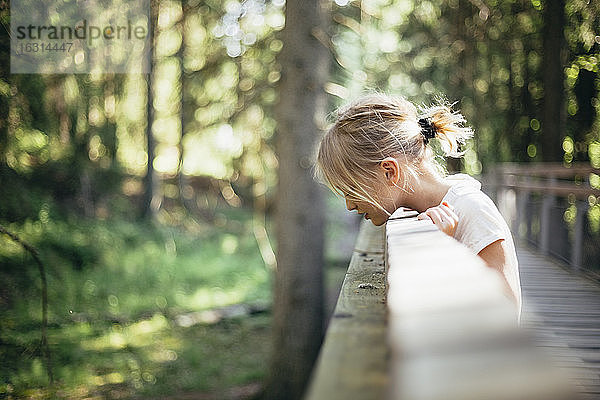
<point x="375" y="351"/>
<point x="563" y="311"/>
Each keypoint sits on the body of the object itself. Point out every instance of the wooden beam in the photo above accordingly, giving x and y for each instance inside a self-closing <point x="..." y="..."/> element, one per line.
<point x="352" y="363"/>
<point x="559" y="189"/>
<point x="557" y="170"/>
<point x="453" y="334"/>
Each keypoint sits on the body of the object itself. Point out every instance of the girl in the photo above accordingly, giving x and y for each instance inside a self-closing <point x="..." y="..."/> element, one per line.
<point x="377" y="155"/>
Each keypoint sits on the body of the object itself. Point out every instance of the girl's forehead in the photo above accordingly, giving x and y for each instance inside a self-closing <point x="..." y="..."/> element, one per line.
<point x="356" y="195"/>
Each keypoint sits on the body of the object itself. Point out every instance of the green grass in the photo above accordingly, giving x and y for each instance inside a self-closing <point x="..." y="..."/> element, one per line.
<point x="115" y="291"/>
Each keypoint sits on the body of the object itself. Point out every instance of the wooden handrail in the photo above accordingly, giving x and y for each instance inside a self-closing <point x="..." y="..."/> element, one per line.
<point x="430" y="323"/>
<point x="452" y="332"/>
<point x="546" y="178"/>
<point x="558" y="189"/>
<point x="558" y="170"/>
<point x="352" y="363"/>
<point x="551" y="180"/>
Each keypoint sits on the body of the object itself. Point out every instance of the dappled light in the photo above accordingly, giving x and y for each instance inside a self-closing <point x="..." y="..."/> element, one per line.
<point x="160" y="226"/>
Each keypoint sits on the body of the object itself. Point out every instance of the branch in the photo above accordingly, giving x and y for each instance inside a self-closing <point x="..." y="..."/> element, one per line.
<point x="35" y="254"/>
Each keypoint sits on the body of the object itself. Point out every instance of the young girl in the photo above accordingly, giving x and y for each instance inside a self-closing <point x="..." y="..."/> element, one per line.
<point x="377" y="155"/>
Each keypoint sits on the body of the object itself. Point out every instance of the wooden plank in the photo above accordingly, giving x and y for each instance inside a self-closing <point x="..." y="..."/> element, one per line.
<point x="352" y="363"/>
<point x="563" y="312"/>
<point x="558" y="170"/>
<point x="559" y="189"/>
<point x="450" y="332"/>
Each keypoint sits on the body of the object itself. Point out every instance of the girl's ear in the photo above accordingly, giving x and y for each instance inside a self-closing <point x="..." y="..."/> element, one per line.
<point x="391" y="170"/>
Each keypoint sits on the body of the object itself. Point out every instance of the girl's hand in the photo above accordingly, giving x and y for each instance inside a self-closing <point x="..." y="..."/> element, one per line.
<point x="443" y="216"/>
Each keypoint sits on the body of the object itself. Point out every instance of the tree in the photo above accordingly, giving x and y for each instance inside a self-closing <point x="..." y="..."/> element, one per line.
<point x="553" y="78"/>
<point x="298" y="303"/>
<point x="180" y="56"/>
<point x="151" y="181"/>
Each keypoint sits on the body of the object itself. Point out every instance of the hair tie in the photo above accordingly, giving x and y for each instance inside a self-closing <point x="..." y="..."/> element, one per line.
<point x="427" y="129"/>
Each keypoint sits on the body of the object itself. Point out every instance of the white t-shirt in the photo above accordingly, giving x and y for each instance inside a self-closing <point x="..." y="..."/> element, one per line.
<point x="481" y="224"/>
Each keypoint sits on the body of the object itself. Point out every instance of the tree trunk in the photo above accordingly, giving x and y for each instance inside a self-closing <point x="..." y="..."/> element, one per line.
<point x="152" y="197"/>
<point x="5" y="76"/>
<point x="554" y="113"/>
<point x="298" y="302"/>
<point x="528" y="104"/>
<point x="585" y="92"/>
<point x="181" y="178"/>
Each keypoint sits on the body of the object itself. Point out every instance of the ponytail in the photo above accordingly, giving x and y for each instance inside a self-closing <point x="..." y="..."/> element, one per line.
<point x="447" y="126"/>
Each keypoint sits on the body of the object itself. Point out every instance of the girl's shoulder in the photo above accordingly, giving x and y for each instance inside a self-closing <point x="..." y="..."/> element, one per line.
<point x="461" y="185"/>
<point x="466" y="196"/>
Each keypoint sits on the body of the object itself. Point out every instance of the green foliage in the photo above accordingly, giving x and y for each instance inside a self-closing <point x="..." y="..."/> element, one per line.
<point x="24" y="202"/>
<point x="71" y="139"/>
<point x="485" y="56"/>
<point x="116" y="291"/>
<point x="74" y="138"/>
<point x="75" y="145"/>
<point x="153" y="357"/>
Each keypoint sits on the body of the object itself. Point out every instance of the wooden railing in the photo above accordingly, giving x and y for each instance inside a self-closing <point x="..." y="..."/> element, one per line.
<point x="534" y="199"/>
<point x="353" y="360"/>
<point x="421" y="317"/>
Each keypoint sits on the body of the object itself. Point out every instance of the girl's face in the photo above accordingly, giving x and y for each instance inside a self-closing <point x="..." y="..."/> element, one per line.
<point x="371" y="212"/>
<point x="376" y="215"/>
<point x="385" y="191"/>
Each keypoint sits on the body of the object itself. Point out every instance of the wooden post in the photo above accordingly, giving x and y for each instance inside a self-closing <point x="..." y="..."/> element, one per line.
<point x="522" y="199"/>
<point x="495" y="184"/>
<point x="545" y="220"/>
<point x="577" y="245"/>
<point x="528" y="213"/>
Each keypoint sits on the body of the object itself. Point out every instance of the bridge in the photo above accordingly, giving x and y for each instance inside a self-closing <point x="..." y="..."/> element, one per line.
<point x="405" y="328"/>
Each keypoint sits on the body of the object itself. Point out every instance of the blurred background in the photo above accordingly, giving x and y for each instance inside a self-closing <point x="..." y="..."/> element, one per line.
<point x="150" y="198"/>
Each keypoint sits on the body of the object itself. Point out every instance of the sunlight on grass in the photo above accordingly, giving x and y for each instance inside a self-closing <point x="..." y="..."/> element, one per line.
<point x="138" y="334"/>
<point x="210" y="297"/>
<point x="116" y="290"/>
<point x="111" y="378"/>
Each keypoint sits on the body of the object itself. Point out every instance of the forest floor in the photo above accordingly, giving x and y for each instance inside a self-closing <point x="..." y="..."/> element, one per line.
<point x="139" y="311"/>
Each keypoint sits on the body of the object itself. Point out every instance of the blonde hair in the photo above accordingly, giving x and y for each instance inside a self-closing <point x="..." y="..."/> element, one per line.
<point x="376" y="126"/>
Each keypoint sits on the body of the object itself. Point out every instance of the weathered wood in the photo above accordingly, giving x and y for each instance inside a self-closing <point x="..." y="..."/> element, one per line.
<point x="542" y="178"/>
<point x="558" y="170"/>
<point x="551" y="180"/>
<point x="548" y="203"/>
<point x="352" y="363"/>
<point x="452" y="332"/>
<point x="562" y="311"/>
<point x="559" y="189"/>
<point x="522" y="199"/>
<point x="577" y="245"/>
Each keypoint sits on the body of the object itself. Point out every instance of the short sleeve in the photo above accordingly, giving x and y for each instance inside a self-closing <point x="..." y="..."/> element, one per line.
<point x="479" y="222"/>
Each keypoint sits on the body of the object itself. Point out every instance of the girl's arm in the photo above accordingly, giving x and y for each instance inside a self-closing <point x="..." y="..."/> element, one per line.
<point x="494" y="256"/>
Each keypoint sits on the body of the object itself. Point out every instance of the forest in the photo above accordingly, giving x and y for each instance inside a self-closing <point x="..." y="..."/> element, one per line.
<point x="139" y="231"/>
